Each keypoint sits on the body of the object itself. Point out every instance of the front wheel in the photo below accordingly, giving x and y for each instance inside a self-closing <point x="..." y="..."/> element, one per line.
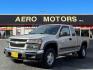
<point x="82" y="53"/>
<point x="49" y="58"/>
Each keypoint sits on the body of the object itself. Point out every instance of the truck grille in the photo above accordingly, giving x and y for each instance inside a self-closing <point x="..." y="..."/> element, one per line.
<point x="19" y="44"/>
<point x="20" y="40"/>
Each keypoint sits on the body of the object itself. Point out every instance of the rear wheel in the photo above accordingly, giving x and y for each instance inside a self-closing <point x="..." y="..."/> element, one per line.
<point x="82" y="53"/>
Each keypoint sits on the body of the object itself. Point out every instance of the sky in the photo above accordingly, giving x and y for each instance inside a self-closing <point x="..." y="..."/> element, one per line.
<point x="46" y="7"/>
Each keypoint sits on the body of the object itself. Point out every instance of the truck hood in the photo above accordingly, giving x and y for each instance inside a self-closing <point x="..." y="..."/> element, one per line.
<point x="32" y="36"/>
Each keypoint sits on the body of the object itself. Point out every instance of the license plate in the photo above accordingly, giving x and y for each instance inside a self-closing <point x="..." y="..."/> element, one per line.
<point x="14" y="54"/>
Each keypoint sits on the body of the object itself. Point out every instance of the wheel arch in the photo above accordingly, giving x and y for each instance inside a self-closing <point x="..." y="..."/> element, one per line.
<point x="84" y="43"/>
<point x="51" y="44"/>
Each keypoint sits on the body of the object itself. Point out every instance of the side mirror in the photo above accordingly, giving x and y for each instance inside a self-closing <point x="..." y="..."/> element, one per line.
<point x="63" y="34"/>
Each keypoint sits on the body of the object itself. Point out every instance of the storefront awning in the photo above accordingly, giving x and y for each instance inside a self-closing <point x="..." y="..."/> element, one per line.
<point x="6" y="28"/>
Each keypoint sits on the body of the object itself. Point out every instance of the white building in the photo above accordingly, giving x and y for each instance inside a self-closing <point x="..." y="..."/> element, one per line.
<point x="22" y="30"/>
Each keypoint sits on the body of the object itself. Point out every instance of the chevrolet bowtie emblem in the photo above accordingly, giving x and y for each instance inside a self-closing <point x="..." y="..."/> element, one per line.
<point x="16" y="42"/>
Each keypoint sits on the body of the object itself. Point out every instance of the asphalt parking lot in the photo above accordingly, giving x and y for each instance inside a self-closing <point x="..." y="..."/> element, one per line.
<point x="67" y="63"/>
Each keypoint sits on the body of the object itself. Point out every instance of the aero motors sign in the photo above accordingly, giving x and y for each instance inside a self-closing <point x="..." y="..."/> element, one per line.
<point x="34" y="20"/>
<point x="46" y="19"/>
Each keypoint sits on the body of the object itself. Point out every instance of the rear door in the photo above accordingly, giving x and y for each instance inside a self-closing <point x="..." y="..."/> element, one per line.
<point x="74" y="39"/>
<point x="65" y="40"/>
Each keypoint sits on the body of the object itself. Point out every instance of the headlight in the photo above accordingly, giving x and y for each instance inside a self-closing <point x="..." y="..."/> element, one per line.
<point x="37" y="41"/>
<point x="8" y="40"/>
<point x="33" y="46"/>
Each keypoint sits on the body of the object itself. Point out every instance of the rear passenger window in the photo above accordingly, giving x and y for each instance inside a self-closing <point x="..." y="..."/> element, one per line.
<point x="77" y="32"/>
<point x="73" y="31"/>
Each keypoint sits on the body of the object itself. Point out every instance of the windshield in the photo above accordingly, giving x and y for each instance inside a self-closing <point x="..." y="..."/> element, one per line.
<point x="46" y="29"/>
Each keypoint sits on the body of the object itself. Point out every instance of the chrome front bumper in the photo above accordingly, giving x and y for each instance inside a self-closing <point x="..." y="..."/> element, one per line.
<point x="25" y="54"/>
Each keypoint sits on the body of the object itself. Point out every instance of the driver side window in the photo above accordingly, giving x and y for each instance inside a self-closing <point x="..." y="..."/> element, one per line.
<point x="65" y="31"/>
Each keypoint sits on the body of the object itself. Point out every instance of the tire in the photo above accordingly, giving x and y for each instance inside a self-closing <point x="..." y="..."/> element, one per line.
<point x="49" y="58"/>
<point x="17" y="61"/>
<point x="82" y="53"/>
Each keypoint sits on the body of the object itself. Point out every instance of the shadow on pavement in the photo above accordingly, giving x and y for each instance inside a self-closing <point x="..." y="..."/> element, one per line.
<point x="34" y="64"/>
<point x="70" y="62"/>
<point x="73" y="63"/>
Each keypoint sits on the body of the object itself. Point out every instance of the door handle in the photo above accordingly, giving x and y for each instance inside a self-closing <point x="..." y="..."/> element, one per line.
<point x="70" y="38"/>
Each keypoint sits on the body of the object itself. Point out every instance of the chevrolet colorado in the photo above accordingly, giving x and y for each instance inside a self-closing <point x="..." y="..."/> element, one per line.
<point x="46" y="43"/>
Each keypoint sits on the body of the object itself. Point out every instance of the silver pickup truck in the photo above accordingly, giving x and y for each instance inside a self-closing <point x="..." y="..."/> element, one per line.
<point x="46" y="43"/>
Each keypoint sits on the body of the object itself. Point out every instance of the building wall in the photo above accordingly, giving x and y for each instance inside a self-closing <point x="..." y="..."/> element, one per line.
<point x="22" y="30"/>
<point x="25" y="30"/>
